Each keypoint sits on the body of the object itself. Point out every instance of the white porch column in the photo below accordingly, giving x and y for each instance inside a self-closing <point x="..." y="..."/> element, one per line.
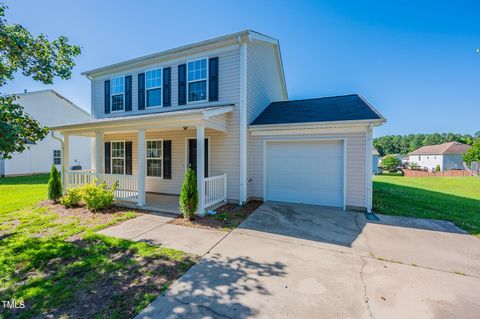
<point x="368" y="167"/>
<point x="141" y="167"/>
<point x="65" y="160"/>
<point x="201" y="169"/>
<point x="99" y="150"/>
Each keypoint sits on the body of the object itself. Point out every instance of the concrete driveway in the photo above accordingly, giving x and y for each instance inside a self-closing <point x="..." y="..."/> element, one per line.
<point x="299" y="261"/>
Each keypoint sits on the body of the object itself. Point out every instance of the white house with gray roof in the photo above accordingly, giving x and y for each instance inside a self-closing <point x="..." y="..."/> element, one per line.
<point x="50" y="109"/>
<point x="221" y="107"/>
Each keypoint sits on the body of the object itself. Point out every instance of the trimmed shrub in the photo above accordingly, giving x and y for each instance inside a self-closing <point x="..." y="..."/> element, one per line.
<point x="73" y="197"/>
<point x="54" y="185"/>
<point x="97" y="197"/>
<point x="189" y="195"/>
<point x="437" y="168"/>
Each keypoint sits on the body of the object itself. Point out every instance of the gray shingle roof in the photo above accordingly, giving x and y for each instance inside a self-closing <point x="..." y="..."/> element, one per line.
<point x="326" y="109"/>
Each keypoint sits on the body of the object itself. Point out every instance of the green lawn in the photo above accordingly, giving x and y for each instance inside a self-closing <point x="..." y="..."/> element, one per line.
<point x="52" y="259"/>
<point x="456" y="199"/>
<point x="18" y="192"/>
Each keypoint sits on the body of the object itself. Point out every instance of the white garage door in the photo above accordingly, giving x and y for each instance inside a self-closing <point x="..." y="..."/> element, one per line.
<point x="309" y="172"/>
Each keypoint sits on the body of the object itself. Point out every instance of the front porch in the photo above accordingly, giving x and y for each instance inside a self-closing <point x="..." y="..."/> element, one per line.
<point x="148" y="159"/>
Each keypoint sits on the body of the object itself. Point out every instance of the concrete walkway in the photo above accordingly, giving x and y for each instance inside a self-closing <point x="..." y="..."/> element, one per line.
<point x="299" y="261"/>
<point x="154" y="229"/>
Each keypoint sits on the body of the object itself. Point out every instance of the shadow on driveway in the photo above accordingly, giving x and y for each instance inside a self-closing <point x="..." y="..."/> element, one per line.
<point x="213" y="288"/>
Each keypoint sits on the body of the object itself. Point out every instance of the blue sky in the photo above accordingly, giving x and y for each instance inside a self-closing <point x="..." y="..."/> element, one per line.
<point x="415" y="61"/>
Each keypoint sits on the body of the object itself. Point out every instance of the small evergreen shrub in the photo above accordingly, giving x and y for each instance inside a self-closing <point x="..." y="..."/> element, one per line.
<point x="73" y="197"/>
<point x="189" y="195"/>
<point x="437" y="168"/>
<point x="54" y="185"/>
<point x="97" y="197"/>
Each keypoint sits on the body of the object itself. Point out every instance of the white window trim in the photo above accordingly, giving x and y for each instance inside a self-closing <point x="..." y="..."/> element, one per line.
<point x="111" y="95"/>
<point x="209" y="153"/>
<point x="152" y="88"/>
<point x="112" y="158"/>
<point x="206" y="80"/>
<point x="147" y="158"/>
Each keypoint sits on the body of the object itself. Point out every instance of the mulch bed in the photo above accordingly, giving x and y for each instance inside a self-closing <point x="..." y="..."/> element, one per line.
<point x="87" y="217"/>
<point x="228" y="217"/>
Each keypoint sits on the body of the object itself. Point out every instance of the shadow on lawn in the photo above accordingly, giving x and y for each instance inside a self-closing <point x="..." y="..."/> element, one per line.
<point x="399" y="200"/>
<point x="93" y="277"/>
<point x="214" y="289"/>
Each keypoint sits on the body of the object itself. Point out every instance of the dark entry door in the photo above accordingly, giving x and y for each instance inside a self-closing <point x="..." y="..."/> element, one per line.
<point x="192" y="155"/>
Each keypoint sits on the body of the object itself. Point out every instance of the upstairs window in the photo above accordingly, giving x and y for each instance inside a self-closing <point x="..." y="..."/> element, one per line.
<point x="57" y="157"/>
<point x="153" y="87"/>
<point x="197" y="80"/>
<point x="118" y="157"/>
<point x="117" y="93"/>
<point x="154" y="158"/>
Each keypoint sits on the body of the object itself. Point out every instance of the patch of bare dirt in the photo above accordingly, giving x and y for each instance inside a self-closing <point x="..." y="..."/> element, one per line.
<point x="228" y="217"/>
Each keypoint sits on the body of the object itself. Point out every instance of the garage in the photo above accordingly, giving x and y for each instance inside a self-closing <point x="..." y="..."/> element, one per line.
<point x="308" y="172"/>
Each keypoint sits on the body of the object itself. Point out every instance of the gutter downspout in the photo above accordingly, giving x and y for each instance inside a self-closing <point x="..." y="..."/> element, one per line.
<point x="368" y="167"/>
<point x="62" y="173"/>
<point x="243" y="120"/>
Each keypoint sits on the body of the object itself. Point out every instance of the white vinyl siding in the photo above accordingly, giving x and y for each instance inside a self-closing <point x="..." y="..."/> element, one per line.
<point x="223" y="156"/>
<point x="355" y="163"/>
<point x="228" y="86"/>
<point x="38" y="158"/>
<point x="264" y="81"/>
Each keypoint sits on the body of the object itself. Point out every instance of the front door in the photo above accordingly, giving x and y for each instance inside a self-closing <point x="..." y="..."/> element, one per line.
<point x="192" y="155"/>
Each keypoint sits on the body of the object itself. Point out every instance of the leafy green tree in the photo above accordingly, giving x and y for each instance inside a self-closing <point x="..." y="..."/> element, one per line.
<point x="189" y="195"/>
<point x="390" y="163"/>
<point x="473" y="154"/>
<point x="35" y="57"/>
<point x="54" y="185"/>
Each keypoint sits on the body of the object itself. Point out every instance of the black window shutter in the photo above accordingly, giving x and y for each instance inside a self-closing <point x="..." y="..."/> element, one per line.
<point x="213" y="79"/>
<point x="141" y="91"/>
<point x="167" y="159"/>
<point x="107" y="158"/>
<point x="128" y="158"/>
<point x="182" y="84"/>
<point x="128" y="93"/>
<point x="167" y="87"/>
<point x="107" y="96"/>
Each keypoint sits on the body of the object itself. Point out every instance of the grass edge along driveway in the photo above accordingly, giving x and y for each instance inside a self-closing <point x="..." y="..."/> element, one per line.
<point x="455" y="199"/>
<point x="56" y="263"/>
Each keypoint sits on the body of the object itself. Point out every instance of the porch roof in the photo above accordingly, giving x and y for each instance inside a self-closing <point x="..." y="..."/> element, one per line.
<point x="212" y="117"/>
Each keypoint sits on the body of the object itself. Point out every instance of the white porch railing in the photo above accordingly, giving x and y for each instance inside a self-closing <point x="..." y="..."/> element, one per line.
<point x="127" y="184"/>
<point x="215" y="190"/>
<point x="79" y="178"/>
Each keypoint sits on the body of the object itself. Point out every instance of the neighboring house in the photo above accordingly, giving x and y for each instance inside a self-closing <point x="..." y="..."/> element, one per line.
<point x="221" y="107"/>
<point x="375" y="158"/>
<point x="50" y="109"/>
<point x="447" y="156"/>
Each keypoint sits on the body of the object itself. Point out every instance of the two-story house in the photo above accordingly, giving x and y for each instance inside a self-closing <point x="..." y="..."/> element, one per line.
<point x="221" y="107"/>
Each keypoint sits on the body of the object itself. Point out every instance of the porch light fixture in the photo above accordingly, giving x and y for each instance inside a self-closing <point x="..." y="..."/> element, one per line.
<point x="185" y="128"/>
